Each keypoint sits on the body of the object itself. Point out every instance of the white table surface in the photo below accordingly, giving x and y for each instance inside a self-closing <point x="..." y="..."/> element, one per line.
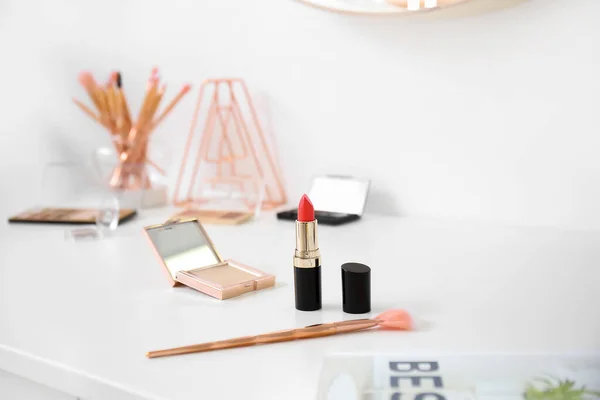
<point x="79" y="317"/>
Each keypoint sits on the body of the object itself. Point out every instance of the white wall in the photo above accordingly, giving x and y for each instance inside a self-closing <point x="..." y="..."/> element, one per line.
<point x="489" y="118"/>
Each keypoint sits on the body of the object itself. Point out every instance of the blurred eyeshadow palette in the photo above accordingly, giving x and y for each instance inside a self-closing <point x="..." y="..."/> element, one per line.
<point x="76" y="216"/>
<point x="215" y="216"/>
<point x="460" y="377"/>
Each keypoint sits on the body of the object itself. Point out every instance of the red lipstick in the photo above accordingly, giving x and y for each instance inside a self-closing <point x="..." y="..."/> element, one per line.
<point x="306" y="211"/>
<point x="307" y="259"/>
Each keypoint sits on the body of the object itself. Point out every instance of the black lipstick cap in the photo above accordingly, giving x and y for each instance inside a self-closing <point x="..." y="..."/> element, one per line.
<point x="356" y="288"/>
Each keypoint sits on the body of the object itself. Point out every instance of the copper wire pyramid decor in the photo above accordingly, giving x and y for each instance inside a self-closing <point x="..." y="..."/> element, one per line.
<point x="227" y="145"/>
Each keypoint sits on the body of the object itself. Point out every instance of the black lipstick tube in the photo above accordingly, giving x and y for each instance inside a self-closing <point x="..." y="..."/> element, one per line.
<point x="307" y="267"/>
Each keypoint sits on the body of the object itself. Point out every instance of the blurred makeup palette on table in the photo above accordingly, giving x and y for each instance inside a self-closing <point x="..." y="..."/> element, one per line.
<point x="223" y="217"/>
<point x="65" y="216"/>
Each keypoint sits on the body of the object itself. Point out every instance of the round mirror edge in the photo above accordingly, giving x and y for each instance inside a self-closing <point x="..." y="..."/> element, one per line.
<point x="465" y="8"/>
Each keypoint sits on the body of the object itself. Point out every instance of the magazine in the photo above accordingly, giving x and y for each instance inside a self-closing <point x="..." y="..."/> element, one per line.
<point x="460" y="377"/>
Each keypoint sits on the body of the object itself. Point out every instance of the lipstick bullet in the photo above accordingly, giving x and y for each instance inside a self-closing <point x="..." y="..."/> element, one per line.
<point x="307" y="259"/>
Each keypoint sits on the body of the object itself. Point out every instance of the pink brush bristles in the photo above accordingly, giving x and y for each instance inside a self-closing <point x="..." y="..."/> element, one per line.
<point x="395" y="320"/>
<point x="113" y="78"/>
<point x="86" y="79"/>
<point x="154" y="76"/>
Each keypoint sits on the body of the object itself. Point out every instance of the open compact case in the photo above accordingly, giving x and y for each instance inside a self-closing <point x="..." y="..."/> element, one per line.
<point x="337" y="199"/>
<point x="189" y="257"/>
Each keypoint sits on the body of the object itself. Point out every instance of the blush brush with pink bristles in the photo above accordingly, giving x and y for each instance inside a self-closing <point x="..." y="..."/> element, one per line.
<point x="398" y="320"/>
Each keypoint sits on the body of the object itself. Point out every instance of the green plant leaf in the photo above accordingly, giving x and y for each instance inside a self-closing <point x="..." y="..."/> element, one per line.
<point x="556" y="389"/>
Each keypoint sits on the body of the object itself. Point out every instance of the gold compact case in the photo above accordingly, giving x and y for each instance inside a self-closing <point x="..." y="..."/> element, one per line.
<point x="189" y="257"/>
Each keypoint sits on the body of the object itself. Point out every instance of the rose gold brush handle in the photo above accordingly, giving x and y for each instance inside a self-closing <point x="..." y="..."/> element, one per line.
<point x="309" y="332"/>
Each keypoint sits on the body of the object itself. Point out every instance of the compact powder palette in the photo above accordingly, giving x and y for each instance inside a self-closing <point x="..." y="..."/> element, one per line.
<point x="190" y="258"/>
<point x="224" y="275"/>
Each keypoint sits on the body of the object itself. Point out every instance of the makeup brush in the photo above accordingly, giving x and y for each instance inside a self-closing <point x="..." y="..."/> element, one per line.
<point x="87" y="110"/>
<point x="125" y="108"/>
<point x="155" y="103"/>
<point x="87" y="81"/>
<point x="398" y="320"/>
<point x="171" y="105"/>
<point x="115" y="89"/>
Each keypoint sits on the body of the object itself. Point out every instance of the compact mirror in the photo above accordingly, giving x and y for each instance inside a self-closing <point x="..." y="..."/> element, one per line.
<point x="183" y="246"/>
<point x="408" y="7"/>
<point x="337" y="199"/>
<point x="339" y="194"/>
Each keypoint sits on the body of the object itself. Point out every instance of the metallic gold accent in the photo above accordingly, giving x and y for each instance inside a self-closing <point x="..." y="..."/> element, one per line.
<point x="307" y="254"/>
